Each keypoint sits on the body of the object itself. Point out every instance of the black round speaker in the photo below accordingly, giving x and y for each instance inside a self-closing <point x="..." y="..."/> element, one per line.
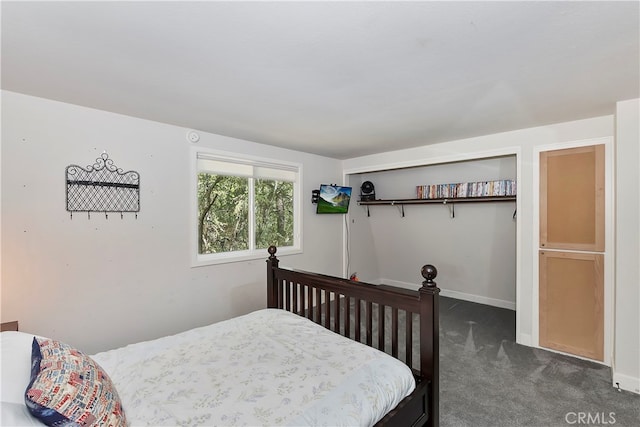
<point x="367" y="191"/>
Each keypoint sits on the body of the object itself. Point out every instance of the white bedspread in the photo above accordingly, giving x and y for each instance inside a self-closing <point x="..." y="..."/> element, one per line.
<point x="267" y="368"/>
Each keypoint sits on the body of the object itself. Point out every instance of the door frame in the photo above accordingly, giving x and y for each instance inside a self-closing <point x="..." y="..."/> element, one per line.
<point x="609" y="244"/>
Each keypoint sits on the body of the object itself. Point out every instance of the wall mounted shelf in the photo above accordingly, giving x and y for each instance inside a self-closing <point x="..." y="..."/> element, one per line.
<point x="442" y="201"/>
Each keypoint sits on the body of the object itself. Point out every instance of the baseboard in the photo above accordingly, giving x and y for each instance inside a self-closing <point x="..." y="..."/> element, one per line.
<point x="626" y="382"/>
<point x="406" y="285"/>
<point x="454" y="294"/>
<point x="479" y="299"/>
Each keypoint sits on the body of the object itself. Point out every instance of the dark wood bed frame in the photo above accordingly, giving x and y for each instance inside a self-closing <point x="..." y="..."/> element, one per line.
<point x="343" y="305"/>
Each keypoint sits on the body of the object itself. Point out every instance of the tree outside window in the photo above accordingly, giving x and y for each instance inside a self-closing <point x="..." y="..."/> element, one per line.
<point x="274" y="213"/>
<point x="223" y="213"/>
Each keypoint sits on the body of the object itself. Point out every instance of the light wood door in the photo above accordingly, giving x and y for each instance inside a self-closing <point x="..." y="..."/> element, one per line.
<point x="572" y="303"/>
<point x="572" y="199"/>
<point x="571" y="253"/>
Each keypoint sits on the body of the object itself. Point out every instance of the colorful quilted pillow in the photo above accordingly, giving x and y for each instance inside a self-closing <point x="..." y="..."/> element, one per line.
<point x="68" y="388"/>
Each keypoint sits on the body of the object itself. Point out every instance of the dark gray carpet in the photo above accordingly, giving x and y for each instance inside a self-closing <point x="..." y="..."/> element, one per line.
<point x="486" y="379"/>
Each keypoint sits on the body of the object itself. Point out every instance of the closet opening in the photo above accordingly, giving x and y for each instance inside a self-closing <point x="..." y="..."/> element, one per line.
<point x="472" y="242"/>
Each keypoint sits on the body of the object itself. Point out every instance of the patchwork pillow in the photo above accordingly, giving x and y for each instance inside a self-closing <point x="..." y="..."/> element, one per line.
<point x="67" y="387"/>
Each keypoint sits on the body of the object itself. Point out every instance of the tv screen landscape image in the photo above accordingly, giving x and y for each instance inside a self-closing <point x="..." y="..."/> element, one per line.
<point x="333" y="199"/>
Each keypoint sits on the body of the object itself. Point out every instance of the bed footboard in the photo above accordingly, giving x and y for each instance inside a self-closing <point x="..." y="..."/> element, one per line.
<point x="400" y="322"/>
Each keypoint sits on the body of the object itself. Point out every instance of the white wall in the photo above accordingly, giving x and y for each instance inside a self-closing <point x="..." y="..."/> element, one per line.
<point x="100" y="283"/>
<point x="103" y="283"/>
<point x="626" y="365"/>
<point x="475" y="250"/>
<point x="362" y="254"/>
<point x="521" y="142"/>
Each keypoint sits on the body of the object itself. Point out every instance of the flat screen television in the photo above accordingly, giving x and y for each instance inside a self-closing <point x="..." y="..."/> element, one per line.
<point x="333" y="199"/>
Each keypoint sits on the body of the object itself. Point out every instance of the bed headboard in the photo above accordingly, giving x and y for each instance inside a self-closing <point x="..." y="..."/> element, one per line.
<point x="384" y="317"/>
<point x="9" y="326"/>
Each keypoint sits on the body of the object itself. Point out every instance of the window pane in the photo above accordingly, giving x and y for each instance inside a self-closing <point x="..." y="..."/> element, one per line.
<point x="223" y="213"/>
<point x="273" y="213"/>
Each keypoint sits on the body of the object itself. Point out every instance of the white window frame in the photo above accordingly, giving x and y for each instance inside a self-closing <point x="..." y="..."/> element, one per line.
<point x="252" y="253"/>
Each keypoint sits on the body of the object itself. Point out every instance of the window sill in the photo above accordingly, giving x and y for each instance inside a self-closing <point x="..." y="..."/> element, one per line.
<point x="204" y="260"/>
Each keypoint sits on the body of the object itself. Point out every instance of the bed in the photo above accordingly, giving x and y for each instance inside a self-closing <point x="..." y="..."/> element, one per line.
<point x="312" y="357"/>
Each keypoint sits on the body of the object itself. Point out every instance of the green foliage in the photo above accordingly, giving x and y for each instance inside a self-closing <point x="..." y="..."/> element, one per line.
<point x="223" y="213"/>
<point x="274" y="213"/>
<point x="223" y="220"/>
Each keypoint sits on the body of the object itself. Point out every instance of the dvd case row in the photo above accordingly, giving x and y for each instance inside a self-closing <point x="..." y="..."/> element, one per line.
<point x="502" y="187"/>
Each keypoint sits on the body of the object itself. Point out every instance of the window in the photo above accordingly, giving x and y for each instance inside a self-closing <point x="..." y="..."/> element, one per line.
<point x="243" y="206"/>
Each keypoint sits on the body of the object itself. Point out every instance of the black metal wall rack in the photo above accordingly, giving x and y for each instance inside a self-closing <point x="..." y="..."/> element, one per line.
<point x="102" y="187"/>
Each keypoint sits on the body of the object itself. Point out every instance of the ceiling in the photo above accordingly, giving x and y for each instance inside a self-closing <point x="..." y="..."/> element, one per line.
<point x="339" y="79"/>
